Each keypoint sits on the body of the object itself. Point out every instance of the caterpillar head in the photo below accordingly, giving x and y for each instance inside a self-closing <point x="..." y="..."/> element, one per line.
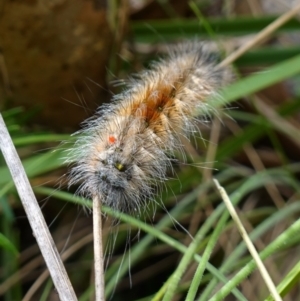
<point x="121" y="170"/>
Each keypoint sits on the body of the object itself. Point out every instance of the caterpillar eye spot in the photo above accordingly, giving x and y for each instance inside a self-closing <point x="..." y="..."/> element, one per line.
<point x="120" y="167"/>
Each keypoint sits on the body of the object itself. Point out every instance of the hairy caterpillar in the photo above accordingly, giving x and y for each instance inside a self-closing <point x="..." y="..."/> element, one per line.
<point x="123" y="152"/>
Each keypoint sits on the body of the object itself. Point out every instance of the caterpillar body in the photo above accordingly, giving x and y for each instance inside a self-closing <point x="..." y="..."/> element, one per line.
<point x="124" y="152"/>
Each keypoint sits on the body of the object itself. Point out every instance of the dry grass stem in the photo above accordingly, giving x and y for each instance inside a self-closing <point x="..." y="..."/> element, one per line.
<point x="35" y="217"/>
<point x="98" y="250"/>
<point x="261" y="36"/>
<point x="264" y="273"/>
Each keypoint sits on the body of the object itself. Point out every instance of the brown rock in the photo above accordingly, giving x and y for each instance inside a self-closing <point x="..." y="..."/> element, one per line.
<point x="49" y="50"/>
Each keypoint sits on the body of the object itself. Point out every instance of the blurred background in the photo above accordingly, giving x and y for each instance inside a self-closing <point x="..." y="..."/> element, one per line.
<point x="61" y="59"/>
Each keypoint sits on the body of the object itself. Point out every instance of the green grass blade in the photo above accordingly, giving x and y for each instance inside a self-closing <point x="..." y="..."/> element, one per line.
<point x="288" y="282"/>
<point x="36" y="165"/>
<point x="39" y="138"/>
<point x="6" y="244"/>
<point x="261" y="229"/>
<point x="189" y="254"/>
<point x="153" y="30"/>
<point x="267" y="55"/>
<point x="206" y="255"/>
<point x="282" y="241"/>
<point x="261" y="80"/>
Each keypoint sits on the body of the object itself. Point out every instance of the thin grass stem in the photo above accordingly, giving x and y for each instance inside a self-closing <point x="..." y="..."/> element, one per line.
<point x="264" y="273"/>
<point x="98" y="250"/>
